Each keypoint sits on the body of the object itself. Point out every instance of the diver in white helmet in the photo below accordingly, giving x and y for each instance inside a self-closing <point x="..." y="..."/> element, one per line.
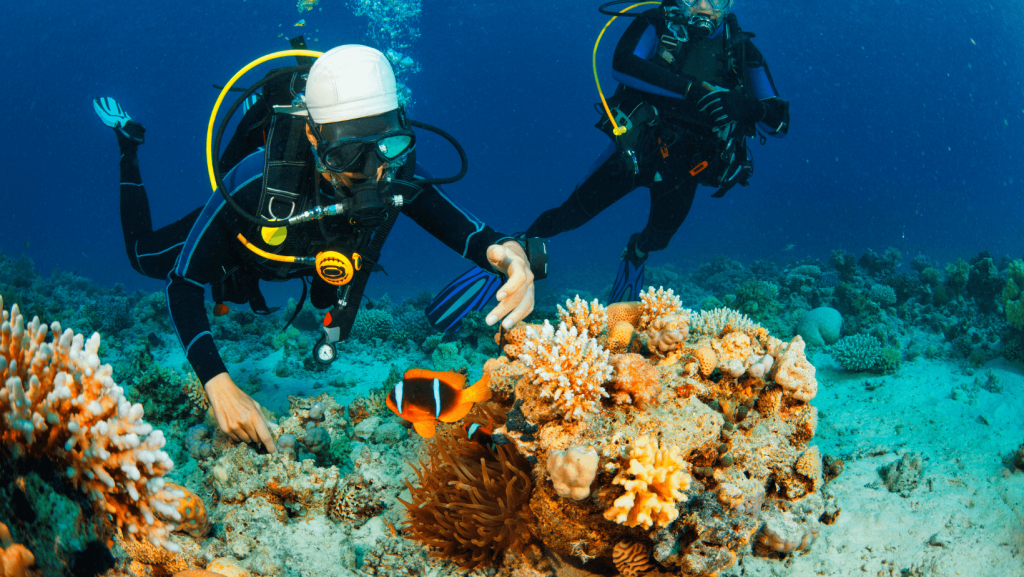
<point x="309" y="186"/>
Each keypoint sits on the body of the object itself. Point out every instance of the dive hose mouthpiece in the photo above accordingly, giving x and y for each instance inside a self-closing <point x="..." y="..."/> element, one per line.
<point x="701" y="25"/>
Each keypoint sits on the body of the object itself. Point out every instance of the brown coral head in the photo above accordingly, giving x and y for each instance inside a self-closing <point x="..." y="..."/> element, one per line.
<point x="625" y="311"/>
<point x="707" y="359"/>
<point x="620" y="336"/>
<point x="632" y="559"/>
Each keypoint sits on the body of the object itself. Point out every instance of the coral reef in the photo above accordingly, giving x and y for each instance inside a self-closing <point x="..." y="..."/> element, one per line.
<point x="58" y="402"/>
<point x="702" y="440"/>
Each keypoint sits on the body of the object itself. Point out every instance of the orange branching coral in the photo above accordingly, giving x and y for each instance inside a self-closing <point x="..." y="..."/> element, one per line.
<point x="657" y="303"/>
<point x="192" y="511"/>
<point x="577" y="313"/>
<point x="58" y="402"/>
<point x="632" y="559"/>
<point x="568" y="367"/>
<point x="626" y="311"/>
<point x="634" y="380"/>
<point x="470" y="503"/>
<point x="512" y="340"/>
<point x="659" y="479"/>
<point x="620" y="336"/>
<point x="15" y="560"/>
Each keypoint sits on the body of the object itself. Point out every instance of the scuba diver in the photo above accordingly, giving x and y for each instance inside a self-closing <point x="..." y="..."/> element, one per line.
<point x="320" y="166"/>
<point x="692" y="88"/>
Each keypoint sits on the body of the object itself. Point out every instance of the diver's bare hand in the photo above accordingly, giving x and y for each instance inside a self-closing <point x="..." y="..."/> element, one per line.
<point x="515" y="297"/>
<point x="238" y="415"/>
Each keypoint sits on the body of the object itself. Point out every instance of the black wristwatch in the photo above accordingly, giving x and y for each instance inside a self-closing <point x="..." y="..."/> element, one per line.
<point x="536" y="249"/>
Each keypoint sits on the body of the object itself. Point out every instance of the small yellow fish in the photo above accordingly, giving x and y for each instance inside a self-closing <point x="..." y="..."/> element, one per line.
<point x="301" y="22"/>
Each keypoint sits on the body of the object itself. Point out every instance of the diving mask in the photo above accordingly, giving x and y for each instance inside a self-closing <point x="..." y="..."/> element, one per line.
<point x="341" y="155"/>
<point x="702" y="24"/>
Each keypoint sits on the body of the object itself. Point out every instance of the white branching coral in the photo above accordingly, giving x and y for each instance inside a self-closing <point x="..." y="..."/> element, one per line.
<point x="58" y="402"/>
<point x="712" y="323"/>
<point x="570" y="368"/>
<point x="592" y="318"/>
<point x="654" y="482"/>
<point x="657" y="303"/>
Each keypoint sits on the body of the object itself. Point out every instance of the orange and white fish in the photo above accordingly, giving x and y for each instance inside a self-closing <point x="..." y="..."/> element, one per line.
<point x="425" y="397"/>
<point x="482" y="434"/>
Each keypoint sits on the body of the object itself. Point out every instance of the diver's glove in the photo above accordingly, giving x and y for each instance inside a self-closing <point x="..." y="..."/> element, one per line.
<point x="129" y="133"/>
<point x="726" y="106"/>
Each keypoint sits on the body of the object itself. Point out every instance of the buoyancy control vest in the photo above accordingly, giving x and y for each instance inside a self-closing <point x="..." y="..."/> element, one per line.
<point x="720" y="61"/>
<point x="290" y="185"/>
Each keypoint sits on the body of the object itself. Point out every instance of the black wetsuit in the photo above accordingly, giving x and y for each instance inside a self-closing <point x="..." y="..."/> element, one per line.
<point x="680" y="140"/>
<point x="201" y="248"/>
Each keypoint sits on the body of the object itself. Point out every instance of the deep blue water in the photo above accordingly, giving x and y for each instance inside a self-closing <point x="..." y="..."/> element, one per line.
<point x="906" y="129"/>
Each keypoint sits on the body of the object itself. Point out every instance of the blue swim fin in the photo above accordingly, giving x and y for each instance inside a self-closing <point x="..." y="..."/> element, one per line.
<point x="628" y="281"/>
<point x="472" y="291"/>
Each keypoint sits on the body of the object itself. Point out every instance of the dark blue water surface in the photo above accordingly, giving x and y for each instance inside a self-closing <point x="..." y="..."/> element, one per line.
<point x="907" y="123"/>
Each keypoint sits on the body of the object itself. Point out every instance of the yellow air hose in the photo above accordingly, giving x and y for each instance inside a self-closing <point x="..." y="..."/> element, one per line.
<point x="617" y="130"/>
<point x="209" y="137"/>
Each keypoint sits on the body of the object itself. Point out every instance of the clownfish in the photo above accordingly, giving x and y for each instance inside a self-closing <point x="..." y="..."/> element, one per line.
<point x="482" y="434"/>
<point x="425" y="397"/>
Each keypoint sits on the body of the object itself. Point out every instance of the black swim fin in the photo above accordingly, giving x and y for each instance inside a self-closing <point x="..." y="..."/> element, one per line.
<point x="472" y="291"/>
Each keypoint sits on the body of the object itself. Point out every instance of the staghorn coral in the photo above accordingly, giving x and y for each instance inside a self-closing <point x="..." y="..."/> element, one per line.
<point x="857" y="352"/>
<point x="58" y="402"/>
<point x="655" y="304"/>
<point x="569" y="368"/>
<point x="712" y="323"/>
<point x="659" y="478"/>
<point x="469" y="503"/>
<point x="590" y="318"/>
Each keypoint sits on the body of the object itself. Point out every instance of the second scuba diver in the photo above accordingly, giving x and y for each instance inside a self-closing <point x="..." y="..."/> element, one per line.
<point x="692" y="88"/>
<point x="327" y="177"/>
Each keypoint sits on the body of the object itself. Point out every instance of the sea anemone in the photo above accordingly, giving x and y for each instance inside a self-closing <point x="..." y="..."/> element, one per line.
<point x="470" y="502"/>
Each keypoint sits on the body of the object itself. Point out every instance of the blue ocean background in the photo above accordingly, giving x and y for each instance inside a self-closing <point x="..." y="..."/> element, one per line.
<point x="906" y="129"/>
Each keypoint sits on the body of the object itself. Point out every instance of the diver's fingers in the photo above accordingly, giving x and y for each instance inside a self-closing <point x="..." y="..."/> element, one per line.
<point x="247" y="429"/>
<point x="524" y="308"/>
<point x="510" y="304"/>
<point x="262" y="431"/>
<point x="518" y="275"/>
